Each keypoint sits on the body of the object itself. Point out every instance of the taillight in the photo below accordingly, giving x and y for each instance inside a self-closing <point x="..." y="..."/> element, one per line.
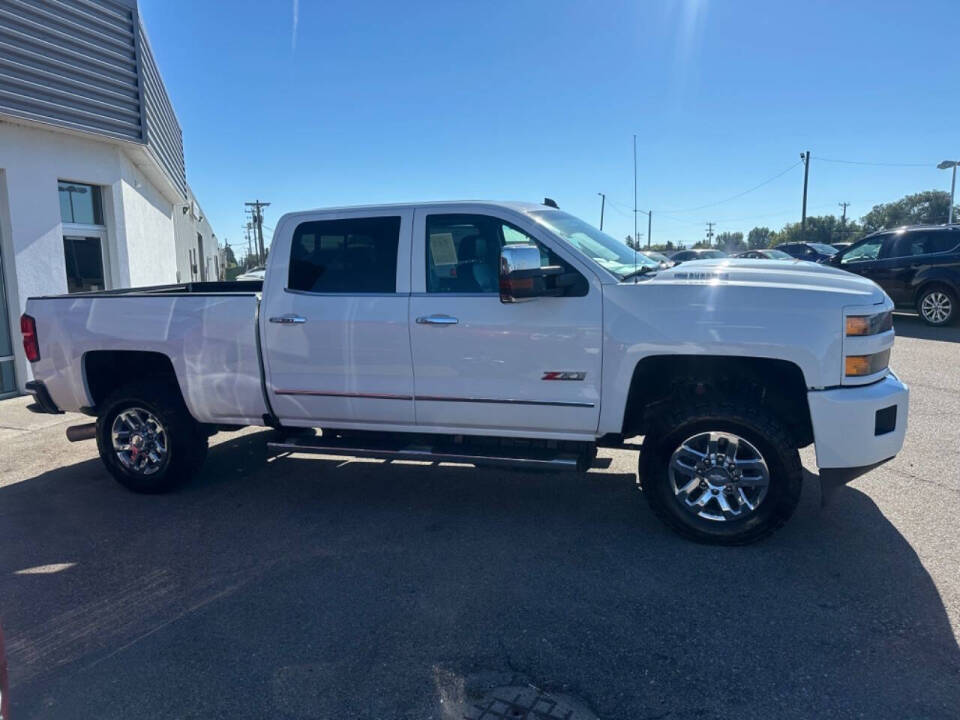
<point x="28" y="328"/>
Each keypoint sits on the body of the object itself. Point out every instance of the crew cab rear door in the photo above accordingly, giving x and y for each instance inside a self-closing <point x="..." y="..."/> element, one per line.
<point x="484" y="365"/>
<point x="333" y="319"/>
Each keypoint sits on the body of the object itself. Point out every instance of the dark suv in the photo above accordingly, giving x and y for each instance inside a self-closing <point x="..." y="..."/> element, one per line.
<point x="918" y="267"/>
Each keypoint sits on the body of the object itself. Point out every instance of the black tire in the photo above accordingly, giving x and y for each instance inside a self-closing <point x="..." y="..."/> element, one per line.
<point x="185" y="440"/>
<point x="931" y="292"/>
<point x="754" y="424"/>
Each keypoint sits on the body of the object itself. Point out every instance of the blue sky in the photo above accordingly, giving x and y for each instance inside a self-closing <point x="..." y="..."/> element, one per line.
<point x="310" y="104"/>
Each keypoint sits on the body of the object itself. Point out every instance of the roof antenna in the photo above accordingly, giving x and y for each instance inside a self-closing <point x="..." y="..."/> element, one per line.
<point x="550" y="202"/>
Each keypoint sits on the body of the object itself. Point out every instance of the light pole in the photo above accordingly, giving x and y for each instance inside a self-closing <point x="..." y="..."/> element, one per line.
<point x="603" y="201"/>
<point x="649" y="214"/>
<point x="946" y="165"/>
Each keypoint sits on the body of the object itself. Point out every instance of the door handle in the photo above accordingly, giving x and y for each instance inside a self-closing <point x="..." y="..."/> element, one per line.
<point x="288" y="320"/>
<point x="436" y="320"/>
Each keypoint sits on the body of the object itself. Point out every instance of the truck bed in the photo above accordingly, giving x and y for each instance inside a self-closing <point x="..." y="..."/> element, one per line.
<point x="191" y="288"/>
<point x="208" y="331"/>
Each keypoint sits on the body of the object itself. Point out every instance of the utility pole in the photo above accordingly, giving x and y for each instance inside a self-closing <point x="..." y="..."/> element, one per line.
<point x="246" y="233"/>
<point x="710" y="234"/>
<point x="603" y="201"/>
<point x="649" y="226"/>
<point x="806" y="173"/>
<point x="843" y="220"/>
<point x="258" y="224"/>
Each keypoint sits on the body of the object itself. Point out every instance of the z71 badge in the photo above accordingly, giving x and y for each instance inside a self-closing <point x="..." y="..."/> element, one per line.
<point x="564" y="375"/>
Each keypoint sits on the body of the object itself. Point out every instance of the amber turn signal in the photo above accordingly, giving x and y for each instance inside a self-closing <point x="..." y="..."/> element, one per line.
<point x="860" y="365"/>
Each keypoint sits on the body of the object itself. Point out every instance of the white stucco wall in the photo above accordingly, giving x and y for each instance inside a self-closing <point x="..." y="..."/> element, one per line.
<point x="140" y="246"/>
<point x="186" y="227"/>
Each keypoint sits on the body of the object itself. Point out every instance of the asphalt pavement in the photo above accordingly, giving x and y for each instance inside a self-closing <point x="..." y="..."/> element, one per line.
<point x="294" y="587"/>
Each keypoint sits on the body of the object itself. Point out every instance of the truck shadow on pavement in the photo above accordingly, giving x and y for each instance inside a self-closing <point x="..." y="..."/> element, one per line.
<point x="305" y="588"/>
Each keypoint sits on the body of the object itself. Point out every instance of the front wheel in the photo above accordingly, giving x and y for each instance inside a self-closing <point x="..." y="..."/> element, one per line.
<point x="147" y="438"/>
<point x="720" y="473"/>
<point x="937" y="306"/>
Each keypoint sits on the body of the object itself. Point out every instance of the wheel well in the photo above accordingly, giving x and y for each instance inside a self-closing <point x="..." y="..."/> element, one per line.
<point x="928" y="284"/>
<point x="107" y="370"/>
<point x="776" y="384"/>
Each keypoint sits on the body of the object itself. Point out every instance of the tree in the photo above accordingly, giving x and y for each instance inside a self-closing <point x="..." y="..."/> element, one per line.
<point x="229" y="257"/>
<point x="731" y="241"/>
<point x="821" y="229"/>
<point x="930" y="206"/>
<point x="760" y="237"/>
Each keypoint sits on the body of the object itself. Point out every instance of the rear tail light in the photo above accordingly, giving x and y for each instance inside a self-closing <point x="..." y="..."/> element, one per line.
<point x="28" y="328"/>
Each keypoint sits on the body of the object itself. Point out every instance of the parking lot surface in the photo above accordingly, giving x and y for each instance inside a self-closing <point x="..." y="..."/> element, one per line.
<point x="295" y="587"/>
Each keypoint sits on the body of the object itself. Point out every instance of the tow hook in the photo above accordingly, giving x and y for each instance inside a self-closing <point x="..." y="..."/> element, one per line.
<point x="87" y="431"/>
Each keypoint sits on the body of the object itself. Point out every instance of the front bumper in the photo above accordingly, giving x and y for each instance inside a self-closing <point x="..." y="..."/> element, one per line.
<point x="861" y="426"/>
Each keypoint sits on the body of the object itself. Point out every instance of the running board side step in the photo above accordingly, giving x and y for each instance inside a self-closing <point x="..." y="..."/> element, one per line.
<point x="500" y="456"/>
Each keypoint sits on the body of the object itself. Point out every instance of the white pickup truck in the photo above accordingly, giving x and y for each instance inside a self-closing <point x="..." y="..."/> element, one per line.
<point x="491" y="333"/>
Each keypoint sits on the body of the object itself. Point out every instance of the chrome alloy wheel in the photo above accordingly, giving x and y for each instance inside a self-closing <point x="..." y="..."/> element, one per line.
<point x="936" y="306"/>
<point x="139" y="440"/>
<point x="718" y="476"/>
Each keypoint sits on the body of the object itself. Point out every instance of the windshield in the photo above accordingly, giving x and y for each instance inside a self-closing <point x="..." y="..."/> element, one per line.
<point x="612" y="254"/>
<point x="778" y="255"/>
<point x="823" y="249"/>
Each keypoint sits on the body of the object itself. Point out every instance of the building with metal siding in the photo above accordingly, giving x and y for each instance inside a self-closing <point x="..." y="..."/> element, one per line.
<point x="93" y="189"/>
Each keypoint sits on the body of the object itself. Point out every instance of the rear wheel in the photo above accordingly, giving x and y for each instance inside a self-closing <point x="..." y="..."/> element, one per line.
<point x="147" y="438"/>
<point x="721" y="473"/>
<point x="937" y="305"/>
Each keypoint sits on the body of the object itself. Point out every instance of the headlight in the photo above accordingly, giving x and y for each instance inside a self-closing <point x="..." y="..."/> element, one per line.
<point x="869" y="324"/>
<point x="862" y="365"/>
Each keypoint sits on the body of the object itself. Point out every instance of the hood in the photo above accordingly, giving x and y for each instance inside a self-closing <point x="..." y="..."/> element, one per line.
<point x="788" y="274"/>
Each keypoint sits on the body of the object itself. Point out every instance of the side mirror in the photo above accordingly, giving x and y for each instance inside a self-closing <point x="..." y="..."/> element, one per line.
<point x="521" y="275"/>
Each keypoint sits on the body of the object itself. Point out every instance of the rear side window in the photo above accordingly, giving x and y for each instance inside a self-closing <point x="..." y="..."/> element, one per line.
<point x="937" y="242"/>
<point x="350" y="256"/>
<point x="924" y="243"/>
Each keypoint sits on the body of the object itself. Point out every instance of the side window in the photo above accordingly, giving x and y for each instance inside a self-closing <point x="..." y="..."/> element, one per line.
<point x="350" y="256"/>
<point x="868" y="250"/>
<point x="938" y="242"/>
<point x="792" y="250"/>
<point x="463" y="252"/>
<point x="908" y="244"/>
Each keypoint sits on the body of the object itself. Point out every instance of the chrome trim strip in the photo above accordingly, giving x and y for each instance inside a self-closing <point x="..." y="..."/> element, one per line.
<point x="434" y="398"/>
<point x="551" y="403"/>
<point x="327" y="393"/>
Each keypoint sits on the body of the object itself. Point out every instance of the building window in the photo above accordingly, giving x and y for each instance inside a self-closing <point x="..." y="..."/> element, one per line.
<point x="84" y="256"/>
<point x="80" y="204"/>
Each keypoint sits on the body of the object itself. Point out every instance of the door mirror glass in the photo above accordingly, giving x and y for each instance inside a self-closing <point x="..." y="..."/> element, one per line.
<point x="521" y="275"/>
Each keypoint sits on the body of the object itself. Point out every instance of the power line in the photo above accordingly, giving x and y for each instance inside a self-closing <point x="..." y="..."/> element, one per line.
<point x="738" y="195"/>
<point x="874" y="164"/>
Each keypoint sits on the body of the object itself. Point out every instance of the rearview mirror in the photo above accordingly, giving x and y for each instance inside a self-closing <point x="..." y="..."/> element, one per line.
<point x="521" y="275"/>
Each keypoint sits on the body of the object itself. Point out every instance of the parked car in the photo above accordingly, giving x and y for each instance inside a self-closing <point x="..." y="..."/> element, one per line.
<point x="815" y="252"/>
<point x="659" y="258"/>
<point x="253" y="274"/>
<point x="841" y="245"/>
<point x="918" y="267"/>
<point x="697" y="254"/>
<point x="765" y="254"/>
<point x="490" y="333"/>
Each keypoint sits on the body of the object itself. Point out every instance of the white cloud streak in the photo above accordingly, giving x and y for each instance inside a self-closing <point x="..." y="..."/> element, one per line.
<point x="296" y="21"/>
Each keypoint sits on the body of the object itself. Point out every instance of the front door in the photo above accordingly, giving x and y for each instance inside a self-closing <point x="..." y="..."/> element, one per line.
<point x="491" y="367"/>
<point x="334" y="322"/>
<point x="867" y="259"/>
